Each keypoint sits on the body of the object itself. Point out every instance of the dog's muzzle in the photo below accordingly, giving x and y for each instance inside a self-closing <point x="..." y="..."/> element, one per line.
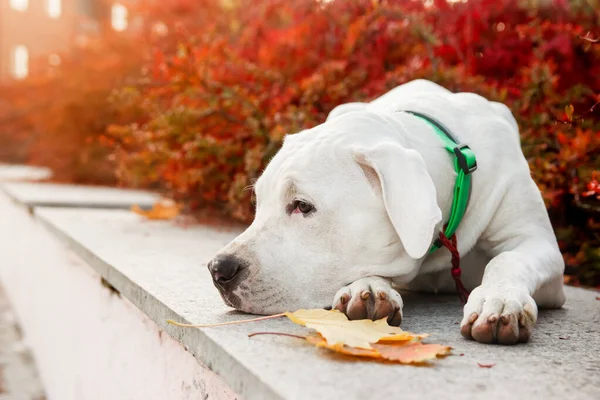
<point x="227" y="272"/>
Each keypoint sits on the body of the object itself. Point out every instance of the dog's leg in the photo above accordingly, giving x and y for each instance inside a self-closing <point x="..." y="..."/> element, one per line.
<point x="371" y="297"/>
<point x="526" y="265"/>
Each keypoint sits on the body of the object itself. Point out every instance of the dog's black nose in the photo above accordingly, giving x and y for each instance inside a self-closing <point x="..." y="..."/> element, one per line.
<point x="224" y="269"/>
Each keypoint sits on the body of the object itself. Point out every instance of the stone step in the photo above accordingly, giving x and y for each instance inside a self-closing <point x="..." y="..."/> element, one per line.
<point x="89" y="341"/>
<point x="15" y="173"/>
<point x="161" y="269"/>
<point x="76" y="196"/>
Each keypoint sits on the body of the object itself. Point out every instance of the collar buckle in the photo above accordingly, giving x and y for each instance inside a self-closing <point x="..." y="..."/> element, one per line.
<point x="465" y="158"/>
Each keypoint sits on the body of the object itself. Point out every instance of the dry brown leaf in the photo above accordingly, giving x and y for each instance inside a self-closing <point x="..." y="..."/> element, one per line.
<point x="319" y="341"/>
<point x="336" y="329"/>
<point x="485" y="365"/>
<point x="160" y="210"/>
<point x="412" y="352"/>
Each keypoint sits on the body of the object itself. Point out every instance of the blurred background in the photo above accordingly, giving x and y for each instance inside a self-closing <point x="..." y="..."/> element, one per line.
<point x="192" y="97"/>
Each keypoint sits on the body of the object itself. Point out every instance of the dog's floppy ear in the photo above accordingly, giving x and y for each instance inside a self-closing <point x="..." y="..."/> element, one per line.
<point x="346" y="108"/>
<point x="407" y="190"/>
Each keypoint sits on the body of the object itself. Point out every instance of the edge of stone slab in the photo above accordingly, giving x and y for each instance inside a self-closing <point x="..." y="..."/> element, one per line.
<point x="202" y="347"/>
<point x="7" y="186"/>
<point x="23" y="173"/>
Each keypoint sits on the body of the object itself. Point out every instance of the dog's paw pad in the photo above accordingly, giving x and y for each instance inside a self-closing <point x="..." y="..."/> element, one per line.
<point x="370" y="298"/>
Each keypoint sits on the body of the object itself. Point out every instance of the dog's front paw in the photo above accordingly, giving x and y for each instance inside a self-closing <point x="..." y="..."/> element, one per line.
<point x="371" y="298"/>
<point x="499" y="314"/>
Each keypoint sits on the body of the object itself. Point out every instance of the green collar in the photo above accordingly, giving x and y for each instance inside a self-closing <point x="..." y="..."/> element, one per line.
<point x="464" y="164"/>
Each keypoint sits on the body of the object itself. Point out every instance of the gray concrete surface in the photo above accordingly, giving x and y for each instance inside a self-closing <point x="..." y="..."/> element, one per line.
<point x="58" y="195"/>
<point x="18" y="376"/>
<point x="11" y="172"/>
<point x="161" y="268"/>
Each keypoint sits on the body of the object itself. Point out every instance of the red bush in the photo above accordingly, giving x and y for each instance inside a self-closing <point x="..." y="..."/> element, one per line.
<point x="221" y="100"/>
<point x="223" y="81"/>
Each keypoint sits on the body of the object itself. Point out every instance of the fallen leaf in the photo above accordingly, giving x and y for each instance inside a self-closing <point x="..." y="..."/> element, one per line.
<point x="412" y="352"/>
<point x="564" y="337"/>
<point x="598" y="298"/>
<point x="243" y="321"/>
<point x="336" y="329"/>
<point x="277" y="334"/>
<point x="485" y="365"/>
<point x="415" y="352"/>
<point x="160" y="210"/>
<point x="363" y="338"/>
<point x="319" y="341"/>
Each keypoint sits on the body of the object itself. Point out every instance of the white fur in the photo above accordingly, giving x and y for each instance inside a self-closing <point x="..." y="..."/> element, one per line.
<point x="382" y="184"/>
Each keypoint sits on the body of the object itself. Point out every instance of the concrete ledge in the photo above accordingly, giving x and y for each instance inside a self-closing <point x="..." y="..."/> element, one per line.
<point x="10" y="172"/>
<point x="161" y="269"/>
<point x="73" y="196"/>
<point x="99" y="341"/>
<point x="89" y="342"/>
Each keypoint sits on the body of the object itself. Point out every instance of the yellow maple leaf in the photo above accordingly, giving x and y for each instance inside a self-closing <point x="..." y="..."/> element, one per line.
<point x="160" y="210"/>
<point x="336" y="329"/>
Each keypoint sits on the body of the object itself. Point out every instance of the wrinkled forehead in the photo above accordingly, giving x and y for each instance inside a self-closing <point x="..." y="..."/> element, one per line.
<point x="319" y="159"/>
<point x="307" y="162"/>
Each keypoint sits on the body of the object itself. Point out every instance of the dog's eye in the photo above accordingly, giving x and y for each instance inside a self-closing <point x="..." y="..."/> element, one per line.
<point x="303" y="207"/>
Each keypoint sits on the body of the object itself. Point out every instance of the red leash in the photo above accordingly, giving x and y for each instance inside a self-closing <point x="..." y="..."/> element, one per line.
<point x="450" y="244"/>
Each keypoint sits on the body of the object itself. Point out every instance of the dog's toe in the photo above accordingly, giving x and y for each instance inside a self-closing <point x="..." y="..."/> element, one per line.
<point x="359" y="306"/>
<point x="508" y="329"/>
<point x="466" y="326"/>
<point x="484" y="332"/>
<point x="386" y="307"/>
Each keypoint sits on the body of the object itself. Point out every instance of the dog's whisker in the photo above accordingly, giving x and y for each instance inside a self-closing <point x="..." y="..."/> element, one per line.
<point x="249" y="187"/>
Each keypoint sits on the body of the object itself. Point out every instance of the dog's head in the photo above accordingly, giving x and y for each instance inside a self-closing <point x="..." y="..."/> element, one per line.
<point x="337" y="203"/>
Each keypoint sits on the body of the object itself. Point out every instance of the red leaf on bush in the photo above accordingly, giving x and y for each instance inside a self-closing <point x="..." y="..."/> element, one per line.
<point x="569" y="112"/>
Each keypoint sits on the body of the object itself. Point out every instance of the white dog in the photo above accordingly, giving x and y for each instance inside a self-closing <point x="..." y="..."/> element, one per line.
<point x="348" y="210"/>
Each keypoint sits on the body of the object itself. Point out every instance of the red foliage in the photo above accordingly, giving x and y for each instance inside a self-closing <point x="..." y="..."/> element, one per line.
<point x="60" y="116"/>
<point x="223" y="81"/>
